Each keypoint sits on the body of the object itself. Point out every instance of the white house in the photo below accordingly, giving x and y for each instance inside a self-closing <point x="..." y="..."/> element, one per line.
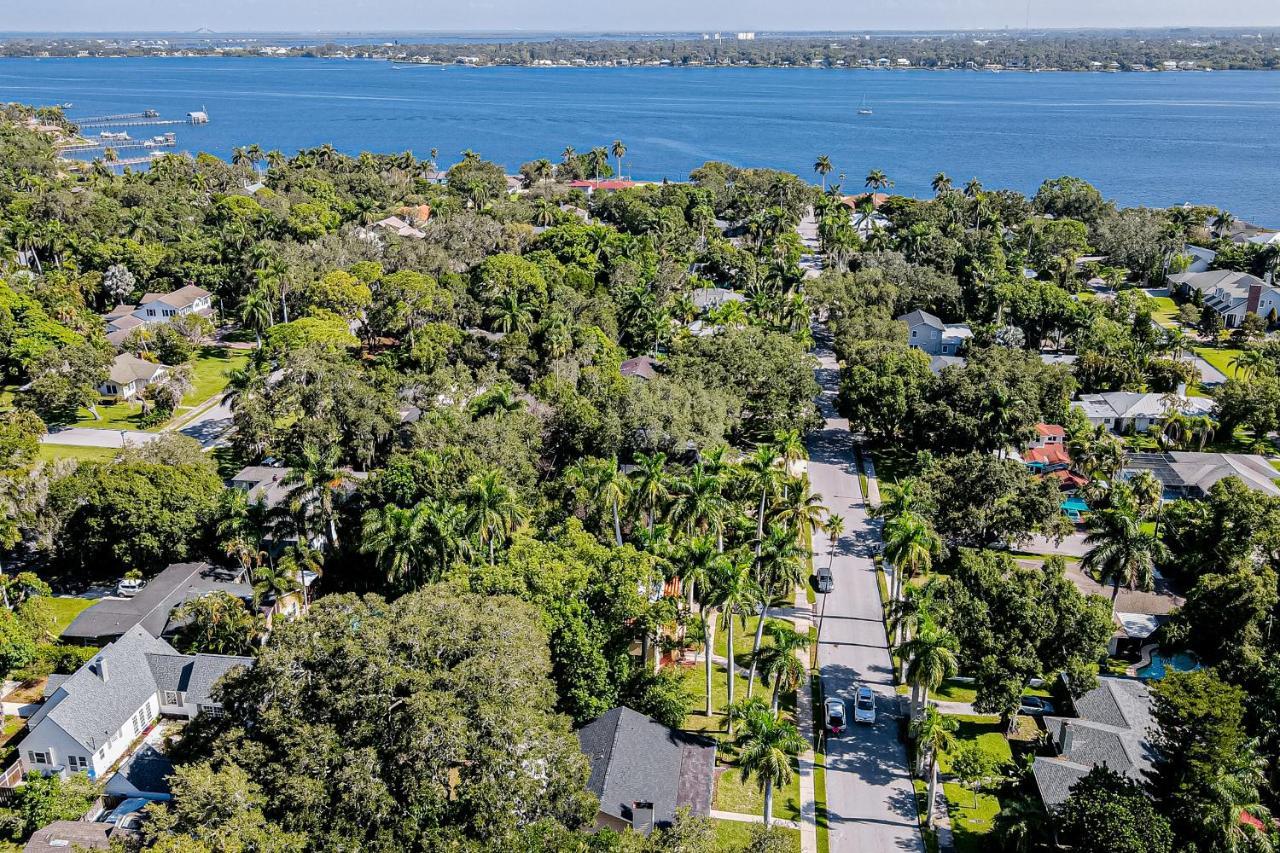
<point x="157" y="308"/>
<point x="927" y="333"/>
<point x="1119" y="411"/>
<point x="89" y="719"/>
<point x="129" y="375"/>
<point x="1232" y="294"/>
<point x="1201" y="258"/>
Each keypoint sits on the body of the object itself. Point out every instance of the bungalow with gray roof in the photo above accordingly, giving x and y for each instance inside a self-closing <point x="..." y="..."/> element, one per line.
<point x="1111" y="728"/>
<point x="1121" y="411"/>
<point x="129" y="375"/>
<point x="642" y="771"/>
<point x="1230" y="293"/>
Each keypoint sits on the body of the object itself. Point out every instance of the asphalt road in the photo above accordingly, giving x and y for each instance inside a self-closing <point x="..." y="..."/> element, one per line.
<point x="869" y="795"/>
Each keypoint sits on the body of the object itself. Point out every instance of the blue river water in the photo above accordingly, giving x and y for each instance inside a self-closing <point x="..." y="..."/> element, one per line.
<point x="1157" y="139"/>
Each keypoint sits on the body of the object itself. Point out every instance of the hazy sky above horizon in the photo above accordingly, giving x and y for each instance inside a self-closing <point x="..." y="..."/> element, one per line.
<point x="646" y="15"/>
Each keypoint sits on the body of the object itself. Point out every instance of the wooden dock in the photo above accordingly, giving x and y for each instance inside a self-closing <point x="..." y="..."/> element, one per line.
<point x="116" y="117"/>
<point x="117" y="146"/>
<point x="140" y="122"/>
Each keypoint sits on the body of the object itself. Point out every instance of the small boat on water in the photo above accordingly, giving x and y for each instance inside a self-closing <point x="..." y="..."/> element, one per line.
<point x="864" y="110"/>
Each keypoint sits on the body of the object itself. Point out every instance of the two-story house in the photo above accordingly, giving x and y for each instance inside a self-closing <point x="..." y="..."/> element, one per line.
<point x="157" y="308"/>
<point x="927" y="333"/>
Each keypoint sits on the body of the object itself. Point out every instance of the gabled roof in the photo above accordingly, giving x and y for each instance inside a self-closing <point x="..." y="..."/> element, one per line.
<point x="921" y="318"/>
<point x="1132" y="404"/>
<point x="713" y="297"/>
<point x="152" y="606"/>
<point x="642" y="366"/>
<point x="1111" y="729"/>
<point x="101" y="696"/>
<point x="1050" y="431"/>
<point x="129" y="368"/>
<point x="65" y="835"/>
<point x="146" y="772"/>
<point x="183" y="297"/>
<point x="636" y="759"/>
<point x="119" y="311"/>
<point x="1199" y="471"/>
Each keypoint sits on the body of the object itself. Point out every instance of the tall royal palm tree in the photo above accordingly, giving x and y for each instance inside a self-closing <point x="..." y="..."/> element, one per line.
<point x="780" y="662"/>
<point x="740" y="595"/>
<point x="877" y="180"/>
<point x="801" y="510"/>
<point x="314" y="486"/>
<point x="396" y="538"/>
<point x="619" y="151"/>
<point x="765" y="747"/>
<point x="910" y="545"/>
<point x="790" y="447"/>
<point x="778" y="570"/>
<point x="1122" y="552"/>
<point x="703" y="570"/>
<point x="761" y="468"/>
<point x="650" y="485"/>
<point x="1248" y="363"/>
<point x="934" y="733"/>
<point x="607" y="486"/>
<point x="941" y="183"/>
<point x="255" y="312"/>
<point x="493" y="510"/>
<point x="699" y="505"/>
<point x="823" y="167"/>
<point x="931" y="656"/>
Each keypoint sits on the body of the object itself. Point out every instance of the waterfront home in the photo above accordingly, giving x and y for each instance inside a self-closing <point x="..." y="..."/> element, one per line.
<point x="643" y="771"/>
<point x="1191" y="475"/>
<point x="710" y="298"/>
<point x="1131" y="411"/>
<point x="399" y="227"/>
<point x="1111" y="728"/>
<point x="608" y="185"/>
<point x="92" y="718"/>
<point x="128" y="376"/>
<point x="1201" y="258"/>
<point x="930" y="335"/>
<point x="1231" y="294"/>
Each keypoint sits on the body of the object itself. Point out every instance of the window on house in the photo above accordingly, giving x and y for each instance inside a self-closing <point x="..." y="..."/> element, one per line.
<point x="913" y="333"/>
<point x="212" y="710"/>
<point x="77" y="762"/>
<point x="102" y="753"/>
<point x="171" y="697"/>
<point x="151" y="312"/>
<point x="38" y="757"/>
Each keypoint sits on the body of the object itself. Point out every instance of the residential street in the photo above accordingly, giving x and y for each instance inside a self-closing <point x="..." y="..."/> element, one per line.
<point x="869" y="794"/>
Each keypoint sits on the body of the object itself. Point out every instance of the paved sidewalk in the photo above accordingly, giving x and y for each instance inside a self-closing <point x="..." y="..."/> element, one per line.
<point x="87" y="437"/>
<point x="804" y="721"/>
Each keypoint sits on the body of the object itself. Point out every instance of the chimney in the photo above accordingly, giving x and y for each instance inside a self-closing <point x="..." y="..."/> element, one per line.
<point x="1255" y="296"/>
<point x="1065" y="745"/>
<point x="100" y="666"/>
<point x="642" y="817"/>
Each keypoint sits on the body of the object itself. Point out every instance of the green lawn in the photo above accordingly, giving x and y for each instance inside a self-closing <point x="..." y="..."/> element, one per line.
<point x="820" y="796"/>
<point x="971" y="817"/>
<point x="65" y="610"/>
<point x="51" y="452"/>
<point x="8" y="743"/>
<point x="733" y="835"/>
<point x="986" y="731"/>
<point x="735" y="795"/>
<point x="1219" y="358"/>
<point x="922" y="806"/>
<point x="116" y="416"/>
<point x="1166" y="313"/>
<point x="210" y="371"/>
<point x="961" y="691"/>
<point x="743" y="639"/>
<point x="695" y="685"/>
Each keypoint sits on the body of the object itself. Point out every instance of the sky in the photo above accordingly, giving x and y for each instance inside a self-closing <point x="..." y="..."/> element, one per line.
<point x="627" y="16"/>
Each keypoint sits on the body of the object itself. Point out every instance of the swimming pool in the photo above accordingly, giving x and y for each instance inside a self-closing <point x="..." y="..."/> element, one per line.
<point x="1074" y="504"/>
<point x="1160" y="664"/>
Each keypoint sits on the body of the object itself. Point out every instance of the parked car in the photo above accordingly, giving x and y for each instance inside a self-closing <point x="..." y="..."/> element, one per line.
<point x="129" y="587"/>
<point x="121" y="813"/>
<point x="826" y="581"/>
<point x="835" y="715"/>
<point x="1035" y="706"/>
<point x="864" y="707"/>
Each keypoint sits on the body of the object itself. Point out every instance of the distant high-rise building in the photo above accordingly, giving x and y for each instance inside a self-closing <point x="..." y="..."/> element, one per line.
<point x="746" y="36"/>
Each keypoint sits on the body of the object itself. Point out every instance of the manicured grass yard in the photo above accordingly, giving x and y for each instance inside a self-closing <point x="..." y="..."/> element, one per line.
<point x="1166" y="311"/>
<point x="734" y="835"/>
<point x="971" y="817"/>
<point x="1219" y="358"/>
<point x="50" y="452"/>
<point x="734" y="795"/>
<point x="743" y="639"/>
<point x="65" y="610"/>
<point x="209" y="372"/>
<point x="989" y="735"/>
<point x="961" y="691"/>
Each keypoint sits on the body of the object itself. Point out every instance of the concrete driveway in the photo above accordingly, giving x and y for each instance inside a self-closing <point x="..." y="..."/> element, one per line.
<point x="870" y="800"/>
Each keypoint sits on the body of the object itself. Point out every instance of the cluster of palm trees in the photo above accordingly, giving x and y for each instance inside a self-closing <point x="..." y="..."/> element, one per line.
<point x="1123" y="549"/>
<point x="735" y="533"/>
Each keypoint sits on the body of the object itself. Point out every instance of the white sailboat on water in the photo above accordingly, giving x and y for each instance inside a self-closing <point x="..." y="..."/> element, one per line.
<point x="864" y="110"/>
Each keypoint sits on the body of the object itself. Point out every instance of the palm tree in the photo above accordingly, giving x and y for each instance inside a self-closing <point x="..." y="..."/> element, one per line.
<point x="1020" y="824"/>
<point x="511" y="314"/>
<point x="740" y="595"/>
<point x="778" y="570"/>
<point x="1147" y="492"/>
<point x="1122" y="551"/>
<point x="973" y="189"/>
<point x="877" y="180"/>
<point x="823" y="167"/>
<point x="493" y="510"/>
<point x="781" y="661"/>
<point x="314" y="486"/>
<point x="619" y="151"/>
<point x="273" y="582"/>
<point x="932" y="659"/>
<point x="704" y="572"/>
<point x="761" y="468"/>
<point x="395" y="537"/>
<point x="790" y="447"/>
<point x="941" y="183"/>
<point x="698" y="503"/>
<point x="599" y="159"/>
<point x="607" y="485"/>
<point x="255" y="312"/>
<point x="765" y="748"/>
<point x="835" y="530"/>
<point x="934" y="733"/>
<point x="802" y="510"/>
<point x="649" y="487"/>
<point x="910" y="544"/>
<point x="1250" y="362"/>
<point x="567" y="155"/>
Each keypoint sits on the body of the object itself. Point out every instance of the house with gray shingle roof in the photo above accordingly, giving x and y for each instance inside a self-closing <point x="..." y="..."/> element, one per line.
<point x="93" y="717"/>
<point x="930" y="335"/>
<point x="1111" y="729"/>
<point x="129" y="375"/>
<point x="642" y="771"/>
